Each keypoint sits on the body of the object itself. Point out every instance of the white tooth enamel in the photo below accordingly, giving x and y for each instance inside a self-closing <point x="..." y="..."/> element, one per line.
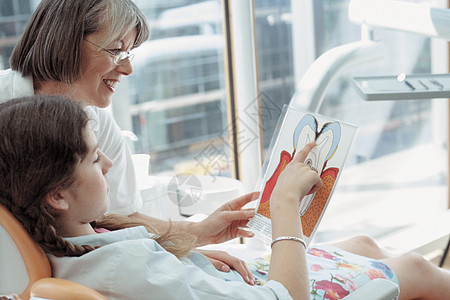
<point x="111" y="83"/>
<point x="305" y="132"/>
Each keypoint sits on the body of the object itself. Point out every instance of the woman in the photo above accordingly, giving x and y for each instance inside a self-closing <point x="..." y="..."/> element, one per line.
<point x="56" y="55"/>
<point x="80" y="49"/>
<point x="54" y="181"/>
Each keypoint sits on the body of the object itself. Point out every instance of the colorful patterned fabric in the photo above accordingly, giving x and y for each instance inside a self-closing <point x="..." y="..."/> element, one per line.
<point x="333" y="272"/>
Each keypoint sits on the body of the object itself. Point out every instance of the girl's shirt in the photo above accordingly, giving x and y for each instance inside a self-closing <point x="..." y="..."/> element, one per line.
<point x="131" y="265"/>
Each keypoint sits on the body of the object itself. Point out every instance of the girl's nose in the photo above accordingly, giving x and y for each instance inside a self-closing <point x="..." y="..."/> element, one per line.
<point x="107" y="163"/>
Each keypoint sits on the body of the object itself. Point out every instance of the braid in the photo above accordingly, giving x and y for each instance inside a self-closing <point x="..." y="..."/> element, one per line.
<point x="40" y="225"/>
<point x="54" y="244"/>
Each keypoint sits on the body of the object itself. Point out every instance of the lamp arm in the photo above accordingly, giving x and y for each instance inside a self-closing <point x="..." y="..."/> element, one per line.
<point x="329" y="66"/>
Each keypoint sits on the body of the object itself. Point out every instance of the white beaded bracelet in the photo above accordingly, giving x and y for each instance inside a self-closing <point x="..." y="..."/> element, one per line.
<point x="289" y="238"/>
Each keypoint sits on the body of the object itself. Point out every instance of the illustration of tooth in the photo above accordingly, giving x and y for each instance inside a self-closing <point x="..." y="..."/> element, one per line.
<point x="305" y="132"/>
<point x="334" y="131"/>
<point x="327" y="141"/>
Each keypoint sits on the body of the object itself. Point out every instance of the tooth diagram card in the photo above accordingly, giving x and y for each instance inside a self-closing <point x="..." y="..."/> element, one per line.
<point x="296" y="129"/>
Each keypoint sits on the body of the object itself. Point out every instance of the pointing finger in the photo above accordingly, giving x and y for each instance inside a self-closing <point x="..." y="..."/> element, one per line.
<point x="301" y="156"/>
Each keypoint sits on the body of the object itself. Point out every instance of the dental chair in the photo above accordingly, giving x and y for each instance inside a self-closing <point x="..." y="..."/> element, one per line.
<point x="26" y="271"/>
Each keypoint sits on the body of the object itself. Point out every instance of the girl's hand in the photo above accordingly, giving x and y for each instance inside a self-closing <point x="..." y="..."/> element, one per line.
<point x="297" y="179"/>
<point x="224" y="262"/>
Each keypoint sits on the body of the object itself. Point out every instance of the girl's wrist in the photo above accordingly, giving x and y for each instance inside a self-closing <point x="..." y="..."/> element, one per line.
<point x="283" y="200"/>
<point x="286" y="222"/>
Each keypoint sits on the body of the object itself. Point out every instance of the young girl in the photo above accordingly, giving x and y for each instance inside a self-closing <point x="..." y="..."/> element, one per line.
<point x="80" y="50"/>
<point x="54" y="180"/>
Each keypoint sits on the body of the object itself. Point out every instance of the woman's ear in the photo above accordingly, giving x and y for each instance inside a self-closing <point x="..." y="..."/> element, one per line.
<point x="57" y="200"/>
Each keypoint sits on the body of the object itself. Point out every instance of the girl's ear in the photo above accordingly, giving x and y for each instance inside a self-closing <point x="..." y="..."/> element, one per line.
<point x="57" y="200"/>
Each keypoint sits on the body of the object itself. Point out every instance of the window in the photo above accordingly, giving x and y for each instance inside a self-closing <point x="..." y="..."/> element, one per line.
<point x="13" y="17"/>
<point x="176" y="96"/>
<point x="398" y="158"/>
<point x="175" y="102"/>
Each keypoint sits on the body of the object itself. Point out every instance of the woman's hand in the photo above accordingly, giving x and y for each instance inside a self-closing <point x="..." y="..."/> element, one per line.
<point x="297" y="179"/>
<point x="225" y="223"/>
<point x="224" y="262"/>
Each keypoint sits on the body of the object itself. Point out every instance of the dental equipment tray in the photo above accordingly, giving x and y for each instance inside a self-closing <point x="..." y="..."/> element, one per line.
<point x="403" y="87"/>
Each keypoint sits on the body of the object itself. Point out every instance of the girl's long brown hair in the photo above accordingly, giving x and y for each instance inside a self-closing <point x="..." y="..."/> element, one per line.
<point x="41" y="144"/>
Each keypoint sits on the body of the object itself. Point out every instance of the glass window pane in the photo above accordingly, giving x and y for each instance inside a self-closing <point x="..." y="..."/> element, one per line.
<point x="275" y="57"/>
<point x="176" y="98"/>
<point x="13" y="18"/>
<point x="6" y="8"/>
<point x="387" y="175"/>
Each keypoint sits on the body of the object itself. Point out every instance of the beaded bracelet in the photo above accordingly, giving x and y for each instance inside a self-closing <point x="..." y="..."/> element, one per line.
<point x="289" y="238"/>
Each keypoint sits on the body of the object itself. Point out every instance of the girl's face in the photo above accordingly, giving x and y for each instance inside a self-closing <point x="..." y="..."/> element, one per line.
<point x="99" y="75"/>
<point x="87" y="198"/>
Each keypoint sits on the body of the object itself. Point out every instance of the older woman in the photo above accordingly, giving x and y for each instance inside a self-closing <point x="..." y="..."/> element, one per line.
<point x="80" y="49"/>
<point x="58" y="54"/>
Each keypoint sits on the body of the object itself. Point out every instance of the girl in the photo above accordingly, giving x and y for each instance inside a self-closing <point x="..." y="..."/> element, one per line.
<point x="80" y="49"/>
<point x="54" y="180"/>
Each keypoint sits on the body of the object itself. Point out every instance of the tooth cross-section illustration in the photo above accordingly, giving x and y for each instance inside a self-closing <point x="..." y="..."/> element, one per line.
<point x="327" y="140"/>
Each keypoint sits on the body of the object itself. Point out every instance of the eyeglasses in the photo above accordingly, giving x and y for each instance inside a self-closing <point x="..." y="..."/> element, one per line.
<point x="118" y="56"/>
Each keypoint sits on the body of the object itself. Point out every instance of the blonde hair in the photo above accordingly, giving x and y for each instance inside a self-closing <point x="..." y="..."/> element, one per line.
<point x="50" y="47"/>
<point x="41" y="145"/>
<point x="178" y="243"/>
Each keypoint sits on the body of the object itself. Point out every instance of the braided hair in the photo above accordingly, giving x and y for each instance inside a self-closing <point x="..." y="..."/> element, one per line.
<point x="41" y="144"/>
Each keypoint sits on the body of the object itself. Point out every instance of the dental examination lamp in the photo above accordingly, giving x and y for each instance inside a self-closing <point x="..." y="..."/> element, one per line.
<point x="419" y="18"/>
